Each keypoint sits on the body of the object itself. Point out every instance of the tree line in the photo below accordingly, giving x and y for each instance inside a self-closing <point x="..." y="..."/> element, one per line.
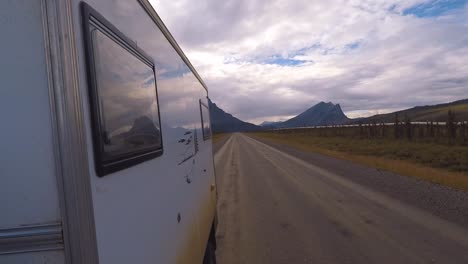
<point x="450" y="132"/>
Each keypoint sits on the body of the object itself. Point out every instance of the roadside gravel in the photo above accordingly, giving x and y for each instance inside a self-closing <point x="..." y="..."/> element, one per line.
<point x="447" y="203"/>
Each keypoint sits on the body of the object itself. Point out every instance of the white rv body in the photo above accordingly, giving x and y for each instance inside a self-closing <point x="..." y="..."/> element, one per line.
<point x="56" y="204"/>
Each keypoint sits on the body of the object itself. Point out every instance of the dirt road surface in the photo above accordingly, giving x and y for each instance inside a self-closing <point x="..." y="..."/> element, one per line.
<point x="276" y="208"/>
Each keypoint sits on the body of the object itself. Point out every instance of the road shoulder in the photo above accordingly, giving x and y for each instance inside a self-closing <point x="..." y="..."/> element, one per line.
<point x="219" y="140"/>
<point x="444" y="202"/>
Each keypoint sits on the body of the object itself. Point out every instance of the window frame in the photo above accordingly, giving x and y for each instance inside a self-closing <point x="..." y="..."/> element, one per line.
<point x="205" y="137"/>
<point x="92" y="19"/>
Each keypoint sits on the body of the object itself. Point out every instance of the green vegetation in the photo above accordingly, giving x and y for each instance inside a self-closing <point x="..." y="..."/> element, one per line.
<point x="451" y="133"/>
<point x="439" y="163"/>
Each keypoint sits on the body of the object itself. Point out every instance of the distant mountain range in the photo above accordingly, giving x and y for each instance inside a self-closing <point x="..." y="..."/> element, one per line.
<point x="436" y="113"/>
<point x="270" y="123"/>
<point x="331" y="114"/>
<point x="222" y="122"/>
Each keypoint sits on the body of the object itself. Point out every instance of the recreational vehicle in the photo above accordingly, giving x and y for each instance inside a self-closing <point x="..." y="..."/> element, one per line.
<point x="106" y="153"/>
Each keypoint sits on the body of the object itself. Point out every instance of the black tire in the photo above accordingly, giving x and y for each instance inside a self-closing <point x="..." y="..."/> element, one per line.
<point x="210" y="253"/>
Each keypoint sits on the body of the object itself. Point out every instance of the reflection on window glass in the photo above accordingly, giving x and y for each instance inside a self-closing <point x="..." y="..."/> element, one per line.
<point x="126" y="90"/>
<point x="206" y="125"/>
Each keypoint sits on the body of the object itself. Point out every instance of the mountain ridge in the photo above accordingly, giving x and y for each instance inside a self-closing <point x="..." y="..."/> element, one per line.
<point x="222" y="122"/>
<point x="318" y="115"/>
<point x="322" y="114"/>
<point x="435" y="113"/>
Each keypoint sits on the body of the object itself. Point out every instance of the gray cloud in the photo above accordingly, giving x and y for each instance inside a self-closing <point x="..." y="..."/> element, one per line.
<point x="365" y="55"/>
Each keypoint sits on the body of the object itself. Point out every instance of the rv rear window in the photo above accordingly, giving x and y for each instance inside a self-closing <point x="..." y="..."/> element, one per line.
<point x="205" y="119"/>
<point x="124" y="99"/>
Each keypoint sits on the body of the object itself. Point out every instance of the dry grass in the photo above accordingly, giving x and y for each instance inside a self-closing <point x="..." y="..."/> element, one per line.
<point x="217" y="137"/>
<point x="439" y="164"/>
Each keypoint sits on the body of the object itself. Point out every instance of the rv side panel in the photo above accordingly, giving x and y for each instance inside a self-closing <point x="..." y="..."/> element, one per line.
<point x="160" y="209"/>
<point x="30" y="218"/>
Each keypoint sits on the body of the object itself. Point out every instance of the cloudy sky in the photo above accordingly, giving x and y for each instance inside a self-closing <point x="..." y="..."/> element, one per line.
<point x="272" y="59"/>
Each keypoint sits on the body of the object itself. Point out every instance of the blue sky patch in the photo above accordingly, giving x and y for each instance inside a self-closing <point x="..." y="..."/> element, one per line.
<point x="148" y="83"/>
<point x="174" y="73"/>
<point x="434" y="8"/>
<point x="353" y="45"/>
<point x="304" y="50"/>
<point x="283" y="61"/>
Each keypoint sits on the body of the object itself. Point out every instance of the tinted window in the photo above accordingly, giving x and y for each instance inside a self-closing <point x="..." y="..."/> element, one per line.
<point x="206" y="124"/>
<point x="127" y="93"/>
<point x="125" y="107"/>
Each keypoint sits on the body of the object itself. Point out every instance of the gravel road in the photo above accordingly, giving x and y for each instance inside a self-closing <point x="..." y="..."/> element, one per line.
<point x="274" y="207"/>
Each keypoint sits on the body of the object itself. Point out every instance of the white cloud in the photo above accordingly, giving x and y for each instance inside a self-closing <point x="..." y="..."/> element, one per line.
<point x="365" y="55"/>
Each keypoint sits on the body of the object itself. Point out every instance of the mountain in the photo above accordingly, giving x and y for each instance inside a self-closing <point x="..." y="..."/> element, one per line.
<point x="225" y="122"/>
<point x="268" y="124"/>
<point x="318" y="115"/>
<point x="143" y="125"/>
<point x="436" y="113"/>
<point x="143" y="131"/>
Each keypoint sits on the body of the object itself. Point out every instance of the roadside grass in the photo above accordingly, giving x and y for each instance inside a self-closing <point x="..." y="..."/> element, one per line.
<point x="442" y="164"/>
<point x="217" y="137"/>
